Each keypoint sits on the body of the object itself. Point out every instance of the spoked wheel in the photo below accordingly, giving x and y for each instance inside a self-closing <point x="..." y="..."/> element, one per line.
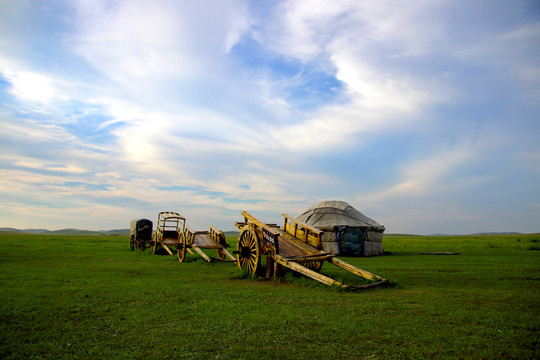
<point x="221" y="254"/>
<point x="222" y="242"/>
<point x="131" y="243"/>
<point x="314" y="265"/>
<point x="154" y="243"/>
<point x="142" y="245"/>
<point x="248" y="250"/>
<point x="181" y="247"/>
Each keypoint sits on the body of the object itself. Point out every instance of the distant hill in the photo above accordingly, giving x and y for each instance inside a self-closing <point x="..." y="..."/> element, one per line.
<point x="498" y="233"/>
<point x="119" y="232"/>
<point x="480" y="234"/>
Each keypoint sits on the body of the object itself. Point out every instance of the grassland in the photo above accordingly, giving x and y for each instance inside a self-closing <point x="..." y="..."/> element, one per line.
<point x="90" y="297"/>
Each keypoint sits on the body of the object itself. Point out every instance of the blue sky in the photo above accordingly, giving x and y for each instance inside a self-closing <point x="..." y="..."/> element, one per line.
<point x="423" y="115"/>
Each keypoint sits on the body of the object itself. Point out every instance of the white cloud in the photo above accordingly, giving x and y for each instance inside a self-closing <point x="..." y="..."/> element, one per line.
<point x="32" y="87"/>
<point x="304" y="28"/>
<point x="140" y="44"/>
<point x="345" y="38"/>
<point x="308" y="29"/>
<point x="376" y="102"/>
<point x="426" y="176"/>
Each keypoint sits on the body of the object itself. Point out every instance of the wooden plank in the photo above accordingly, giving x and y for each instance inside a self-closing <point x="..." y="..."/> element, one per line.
<point x="291" y="247"/>
<point x="166" y="248"/>
<point x="311" y="258"/>
<point x="228" y="254"/>
<point x="329" y="281"/>
<point x="304" y="225"/>
<point x="204" y="241"/>
<point x="270" y="227"/>
<point x="278" y="270"/>
<point x="307" y="272"/>
<point x="170" y="214"/>
<point x="357" y="271"/>
<point x="200" y="252"/>
<point x="303" y="231"/>
<point x="269" y="267"/>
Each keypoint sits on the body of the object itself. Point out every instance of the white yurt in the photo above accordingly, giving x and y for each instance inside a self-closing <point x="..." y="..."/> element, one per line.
<point x="346" y="230"/>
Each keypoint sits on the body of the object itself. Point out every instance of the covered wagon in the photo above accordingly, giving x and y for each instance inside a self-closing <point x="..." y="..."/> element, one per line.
<point x="140" y="233"/>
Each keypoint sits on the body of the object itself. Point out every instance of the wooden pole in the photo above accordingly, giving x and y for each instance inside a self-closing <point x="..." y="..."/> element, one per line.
<point x="229" y="254"/>
<point x="167" y="249"/>
<point x="278" y="270"/>
<point x="200" y="252"/>
<point x="269" y="267"/>
<point x="357" y="271"/>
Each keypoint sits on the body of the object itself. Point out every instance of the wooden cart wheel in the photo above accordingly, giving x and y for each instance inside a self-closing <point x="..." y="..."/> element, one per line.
<point x="154" y="243"/>
<point x="181" y="246"/>
<point x="222" y="242"/>
<point x="314" y="265"/>
<point x="131" y="243"/>
<point x="248" y="250"/>
<point x="142" y="245"/>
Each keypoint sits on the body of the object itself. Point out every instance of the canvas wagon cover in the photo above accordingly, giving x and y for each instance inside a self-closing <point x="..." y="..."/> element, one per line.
<point x="141" y="225"/>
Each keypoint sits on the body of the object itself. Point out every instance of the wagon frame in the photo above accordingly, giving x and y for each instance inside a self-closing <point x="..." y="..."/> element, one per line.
<point x="169" y="229"/>
<point x="297" y="246"/>
<point x="197" y="240"/>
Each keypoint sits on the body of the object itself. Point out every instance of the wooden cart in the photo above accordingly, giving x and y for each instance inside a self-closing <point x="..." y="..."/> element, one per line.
<point x="296" y="246"/>
<point x="170" y="227"/>
<point x="197" y="240"/>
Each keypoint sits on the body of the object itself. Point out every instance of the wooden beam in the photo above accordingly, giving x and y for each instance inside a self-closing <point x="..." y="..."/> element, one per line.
<point x="166" y="248"/>
<point x="302" y="224"/>
<point x="200" y="252"/>
<point x="254" y="220"/>
<point x="228" y="254"/>
<point x="307" y="272"/>
<point x="269" y="267"/>
<point x="353" y="269"/>
<point x="311" y="258"/>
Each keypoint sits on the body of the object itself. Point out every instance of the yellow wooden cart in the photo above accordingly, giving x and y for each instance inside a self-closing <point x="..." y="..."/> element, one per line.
<point x="296" y="246"/>
<point x="197" y="240"/>
<point x="169" y="228"/>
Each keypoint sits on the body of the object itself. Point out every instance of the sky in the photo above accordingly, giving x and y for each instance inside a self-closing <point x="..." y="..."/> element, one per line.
<point x="423" y="115"/>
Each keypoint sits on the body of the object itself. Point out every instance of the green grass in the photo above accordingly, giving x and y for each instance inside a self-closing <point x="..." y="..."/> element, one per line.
<point x="67" y="297"/>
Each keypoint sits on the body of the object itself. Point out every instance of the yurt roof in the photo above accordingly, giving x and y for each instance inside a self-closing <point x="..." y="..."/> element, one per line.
<point x="327" y="214"/>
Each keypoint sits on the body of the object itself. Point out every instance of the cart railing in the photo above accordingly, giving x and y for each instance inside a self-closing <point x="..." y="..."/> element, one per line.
<point x="190" y="235"/>
<point x="302" y="231"/>
<point x="215" y="234"/>
<point x="197" y="240"/>
<point x="168" y="220"/>
<point x="269" y="227"/>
